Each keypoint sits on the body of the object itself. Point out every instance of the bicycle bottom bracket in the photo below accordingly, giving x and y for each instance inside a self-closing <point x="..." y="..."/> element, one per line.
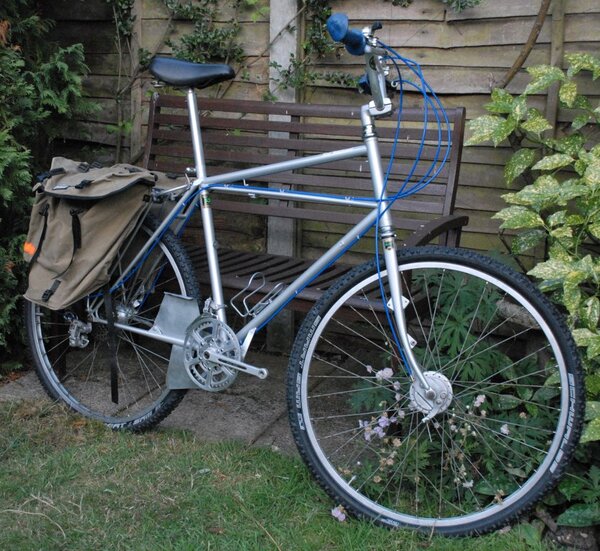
<point x="205" y="337"/>
<point x="434" y="403"/>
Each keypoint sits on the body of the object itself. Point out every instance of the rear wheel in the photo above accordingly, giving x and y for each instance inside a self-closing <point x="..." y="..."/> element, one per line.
<point x="71" y="351"/>
<point x="509" y="395"/>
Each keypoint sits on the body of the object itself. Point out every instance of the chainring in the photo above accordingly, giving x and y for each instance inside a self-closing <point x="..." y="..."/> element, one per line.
<point x="207" y="335"/>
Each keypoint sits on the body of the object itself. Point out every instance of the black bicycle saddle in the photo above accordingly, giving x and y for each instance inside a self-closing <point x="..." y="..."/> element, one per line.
<point x="177" y="72"/>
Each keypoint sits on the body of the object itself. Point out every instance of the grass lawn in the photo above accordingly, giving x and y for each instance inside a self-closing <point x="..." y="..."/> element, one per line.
<point x="67" y="483"/>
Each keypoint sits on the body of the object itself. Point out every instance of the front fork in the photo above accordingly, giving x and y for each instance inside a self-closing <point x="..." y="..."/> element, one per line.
<point x="388" y="241"/>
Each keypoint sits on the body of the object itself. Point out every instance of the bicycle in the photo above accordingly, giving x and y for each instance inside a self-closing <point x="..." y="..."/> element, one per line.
<point x="432" y="388"/>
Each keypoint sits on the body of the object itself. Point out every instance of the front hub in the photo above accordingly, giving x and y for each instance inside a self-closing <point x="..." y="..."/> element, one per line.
<point x="434" y="401"/>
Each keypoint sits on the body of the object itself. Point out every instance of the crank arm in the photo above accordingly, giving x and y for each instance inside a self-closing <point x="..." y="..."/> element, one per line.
<point x="259" y="372"/>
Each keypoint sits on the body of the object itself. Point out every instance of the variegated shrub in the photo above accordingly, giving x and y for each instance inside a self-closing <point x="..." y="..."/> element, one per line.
<point x="560" y="208"/>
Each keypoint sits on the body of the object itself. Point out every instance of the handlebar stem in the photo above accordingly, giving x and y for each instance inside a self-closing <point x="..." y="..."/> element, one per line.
<point x="376" y="73"/>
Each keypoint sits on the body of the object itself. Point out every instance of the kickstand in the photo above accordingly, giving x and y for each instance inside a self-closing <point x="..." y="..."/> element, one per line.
<point x="112" y="345"/>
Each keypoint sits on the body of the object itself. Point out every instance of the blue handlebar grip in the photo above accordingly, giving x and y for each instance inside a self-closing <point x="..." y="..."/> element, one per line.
<point x="338" y="27"/>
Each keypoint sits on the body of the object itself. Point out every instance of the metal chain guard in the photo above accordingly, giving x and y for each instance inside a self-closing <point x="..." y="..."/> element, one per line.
<point x="205" y="336"/>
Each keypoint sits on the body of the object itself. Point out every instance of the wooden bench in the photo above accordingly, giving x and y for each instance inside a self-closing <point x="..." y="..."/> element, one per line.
<point x="240" y="134"/>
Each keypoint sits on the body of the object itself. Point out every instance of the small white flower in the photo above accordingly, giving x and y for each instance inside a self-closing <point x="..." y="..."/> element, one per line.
<point x="379" y="431"/>
<point x="369" y="368"/>
<point x="396" y="385"/>
<point x="479" y="400"/>
<point x="383" y="421"/>
<point x="384" y="374"/>
<point x="468" y="484"/>
<point x="339" y="513"/>
<point x="504" y="429"/>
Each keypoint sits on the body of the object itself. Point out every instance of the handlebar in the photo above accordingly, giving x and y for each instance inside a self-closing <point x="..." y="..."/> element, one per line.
<point x="359" y="43"/>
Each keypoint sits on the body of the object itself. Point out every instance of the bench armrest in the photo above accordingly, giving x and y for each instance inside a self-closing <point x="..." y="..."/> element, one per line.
<point x="451" y="225"/>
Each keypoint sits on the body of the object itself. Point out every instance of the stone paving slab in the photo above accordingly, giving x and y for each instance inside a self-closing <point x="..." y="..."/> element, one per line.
<point x="253" y="411"/>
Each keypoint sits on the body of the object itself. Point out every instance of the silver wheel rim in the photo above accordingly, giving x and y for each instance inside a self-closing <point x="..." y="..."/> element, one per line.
<point x="547" y="465"/>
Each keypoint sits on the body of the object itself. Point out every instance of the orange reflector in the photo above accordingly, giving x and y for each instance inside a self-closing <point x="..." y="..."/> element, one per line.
<point x="29" y="248"/>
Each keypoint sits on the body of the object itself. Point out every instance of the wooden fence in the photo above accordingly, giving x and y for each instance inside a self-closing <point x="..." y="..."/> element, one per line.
<point x="463" y="57"/>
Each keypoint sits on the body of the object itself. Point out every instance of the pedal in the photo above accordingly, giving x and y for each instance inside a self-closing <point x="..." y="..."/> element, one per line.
<point x="246" y="309"/>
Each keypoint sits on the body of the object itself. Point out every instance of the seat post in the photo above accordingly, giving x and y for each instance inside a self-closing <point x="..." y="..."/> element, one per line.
<point x="210" y="238"/>
<point x="192" y="104"/>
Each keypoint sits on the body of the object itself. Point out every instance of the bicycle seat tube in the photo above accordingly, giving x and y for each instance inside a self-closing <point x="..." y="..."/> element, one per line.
<point x="205" y="210"/>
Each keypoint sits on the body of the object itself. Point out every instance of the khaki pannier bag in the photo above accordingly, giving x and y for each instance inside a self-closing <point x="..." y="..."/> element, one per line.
<point x="81" y="216"/>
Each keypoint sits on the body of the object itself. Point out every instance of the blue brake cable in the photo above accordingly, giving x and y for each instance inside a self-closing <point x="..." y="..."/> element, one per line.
<point x="425" y="179"/>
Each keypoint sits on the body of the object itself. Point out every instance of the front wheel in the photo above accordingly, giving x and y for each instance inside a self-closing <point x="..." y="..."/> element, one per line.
<point x="509" y="395"/>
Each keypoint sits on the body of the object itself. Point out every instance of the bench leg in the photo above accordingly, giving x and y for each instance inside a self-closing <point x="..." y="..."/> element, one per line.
<point x="280" y="333"/>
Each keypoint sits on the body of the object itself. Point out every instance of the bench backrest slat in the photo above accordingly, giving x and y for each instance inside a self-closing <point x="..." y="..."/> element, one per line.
<point x="241" y="134"/>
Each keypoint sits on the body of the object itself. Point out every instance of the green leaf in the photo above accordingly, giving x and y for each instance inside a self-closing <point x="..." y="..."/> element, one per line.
<point x="527" y="240"/>
<point x="542" y="77"/>
<point x="571" y="297"/>
<point x="519" y="108"/>
<point x="530" y="535"/>
<point x="518" y="217"/>
<point x="569" y="144"/>
<point x="562" y="232"/>
<point x="547" y="192"/>
<point x="592" y="410"/>
<point x="580" y="62"/>
<point x="580" y="121"/>
<point x="591" y="433"/>
<point x="518" y="163"/>
<point x="536" y="123"/>
<point x="556" y="218"/>
<point x="568" y="93"/>
<point x="592" y="385"/>
<point x="593" y="349"/>
<point x="583" y="336"/>
<point x="583" y="102"/>
<point x="551" y="269"/>
<point x="594" y="229"/>
<point x="580" y="167"/>
<point x="580" y="514"/>
<point x="552" y="162"/>
<point x="570" y="486"/>
<point x="483" y="128"/>
<point x="591" y="312"/>
<point x="507" y="402"/>
<point x="504" y="130"/>
<point x="592" y="173"/>
<point x="502" y="102"/>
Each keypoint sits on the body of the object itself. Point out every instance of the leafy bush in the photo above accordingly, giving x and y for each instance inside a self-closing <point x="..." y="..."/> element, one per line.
<point x="560" y="209"/>
<point x="40" y="92"/>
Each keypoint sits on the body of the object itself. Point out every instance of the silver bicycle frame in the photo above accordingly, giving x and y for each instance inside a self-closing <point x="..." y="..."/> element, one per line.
<point x="205" y="185"/>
